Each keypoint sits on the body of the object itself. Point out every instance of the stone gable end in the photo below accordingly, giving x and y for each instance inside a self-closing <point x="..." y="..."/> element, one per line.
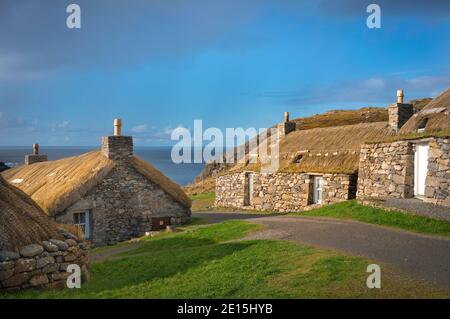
<point x="122" y="206"/>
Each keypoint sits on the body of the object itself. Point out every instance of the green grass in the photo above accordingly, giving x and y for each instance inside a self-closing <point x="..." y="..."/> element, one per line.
<point x="208" y="262"/>
<point x="352" y="210"/>
<point x="203" y="201"/>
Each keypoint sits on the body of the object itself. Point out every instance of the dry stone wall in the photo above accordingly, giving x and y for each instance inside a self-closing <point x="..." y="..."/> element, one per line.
<point x="437" y="185"/>
<point x="42" y="265"/>
<point x="281" y="192"/>
<point x="387" y="170"/>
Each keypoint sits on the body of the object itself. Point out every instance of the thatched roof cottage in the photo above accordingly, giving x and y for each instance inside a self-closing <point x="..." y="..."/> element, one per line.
<point x="319" y="159"/>
<point x="111" y="193"/>
<point x="413" y="163"/>
<point x="34" y="250"/>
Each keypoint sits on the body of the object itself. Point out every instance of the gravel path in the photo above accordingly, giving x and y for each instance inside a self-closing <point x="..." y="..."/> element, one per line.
<point x="416" y="206"/>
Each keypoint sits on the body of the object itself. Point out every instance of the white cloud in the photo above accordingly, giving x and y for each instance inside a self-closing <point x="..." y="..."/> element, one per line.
<point x="168" y="130"/>
<point x="63" y="124"/>
<point x="374" y="83"/>
<point x="140" y="128"/>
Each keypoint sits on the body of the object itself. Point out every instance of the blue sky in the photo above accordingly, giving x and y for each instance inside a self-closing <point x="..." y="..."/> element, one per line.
<point x="162" y="64"/>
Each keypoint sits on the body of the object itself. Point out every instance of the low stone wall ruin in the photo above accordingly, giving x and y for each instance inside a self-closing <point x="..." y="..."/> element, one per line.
<point x="42" y="265"/>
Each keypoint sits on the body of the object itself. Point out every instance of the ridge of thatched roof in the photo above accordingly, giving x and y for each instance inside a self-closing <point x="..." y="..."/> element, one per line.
<point x="22" y="221"/>
<point x="436" y="115"/>
<point x="342" y="117"/>
<point x="56" y="185"/>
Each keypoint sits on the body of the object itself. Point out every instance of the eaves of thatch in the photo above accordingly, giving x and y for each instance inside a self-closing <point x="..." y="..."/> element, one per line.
<point x="22" y="221"/>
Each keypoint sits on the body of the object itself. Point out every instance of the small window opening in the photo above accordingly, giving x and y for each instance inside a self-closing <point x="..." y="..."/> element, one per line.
<point x="422" y="125"/>
<point x="297" y="159"/>
<point x="81" y="220"/>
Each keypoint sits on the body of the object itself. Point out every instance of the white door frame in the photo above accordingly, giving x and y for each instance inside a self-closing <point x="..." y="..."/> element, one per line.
<point x="250" y="189"/>
<point x="317" y="189"/>
<point x="420" y="168"/>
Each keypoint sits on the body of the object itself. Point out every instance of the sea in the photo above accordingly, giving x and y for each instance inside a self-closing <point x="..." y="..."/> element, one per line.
<point x="158" y="156"/>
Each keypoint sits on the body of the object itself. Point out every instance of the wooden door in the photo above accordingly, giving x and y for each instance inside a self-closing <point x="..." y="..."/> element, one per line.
<point x="159" y="223"/>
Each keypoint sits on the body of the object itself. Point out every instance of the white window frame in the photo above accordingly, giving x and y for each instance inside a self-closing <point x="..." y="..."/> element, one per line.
<point x="86" y="227"/>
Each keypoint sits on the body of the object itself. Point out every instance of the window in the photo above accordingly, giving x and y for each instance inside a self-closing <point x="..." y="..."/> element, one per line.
<point x="81" y="219"/>
<point x="160" y="223"/>
<point x="422" y="125"/>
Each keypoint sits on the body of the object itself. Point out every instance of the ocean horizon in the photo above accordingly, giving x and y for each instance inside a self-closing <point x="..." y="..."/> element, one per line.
<point x="158" y="156"/>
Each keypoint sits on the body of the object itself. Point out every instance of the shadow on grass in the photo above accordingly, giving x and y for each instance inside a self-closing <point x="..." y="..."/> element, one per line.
<point x="157" y="264"/>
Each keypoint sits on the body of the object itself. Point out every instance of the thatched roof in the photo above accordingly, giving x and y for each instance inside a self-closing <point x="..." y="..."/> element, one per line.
<point x="342" y="117"/>
<point x="436" y="116"/>
<point x="153" y="174"/>
<point x="325" y="149"/>
<point x="329" y="149"/>
<point x="22" y="221"/>
<point x="56" y="185"/>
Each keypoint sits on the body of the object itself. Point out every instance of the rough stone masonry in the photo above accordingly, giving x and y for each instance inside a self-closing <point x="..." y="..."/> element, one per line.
<point x="387" y="170"/>
<point x="42" y="265"/>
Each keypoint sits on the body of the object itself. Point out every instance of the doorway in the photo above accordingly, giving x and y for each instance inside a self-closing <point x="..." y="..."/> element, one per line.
<point x="420" y="169"/>
<point x="317" y="189"/>
<point x="248" y="192"/>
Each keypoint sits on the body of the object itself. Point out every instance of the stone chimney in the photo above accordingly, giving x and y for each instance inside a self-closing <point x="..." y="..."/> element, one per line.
<point x="117" y="147"/>
<point x="286" y="127"/>
<point x="35" y="157"/>
<point x="400" y="112"/>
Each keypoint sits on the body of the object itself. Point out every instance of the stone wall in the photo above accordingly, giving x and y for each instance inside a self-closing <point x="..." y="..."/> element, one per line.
<point x="285" y="128"/>
<point x="42" y="265"/>
<point x="230" y="190"/>
<point x="281" y="192"/>
<point x="122" y="206"/>
<point x="387" y="170"/>
<point x="437" y="185"/>
<point x="33" y="158"/>
<point x="118" y="148"/>
<point x="399" y="114"/>
<point x="339" y="187"/>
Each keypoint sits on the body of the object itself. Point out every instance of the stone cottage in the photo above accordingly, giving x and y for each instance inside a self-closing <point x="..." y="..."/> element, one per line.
<point x="111" y="194"/>
<point x="324" y="162"/>
<point x="318" y="165"/>
<point x="34" y="250"/>
<point x="416" y="162"/>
